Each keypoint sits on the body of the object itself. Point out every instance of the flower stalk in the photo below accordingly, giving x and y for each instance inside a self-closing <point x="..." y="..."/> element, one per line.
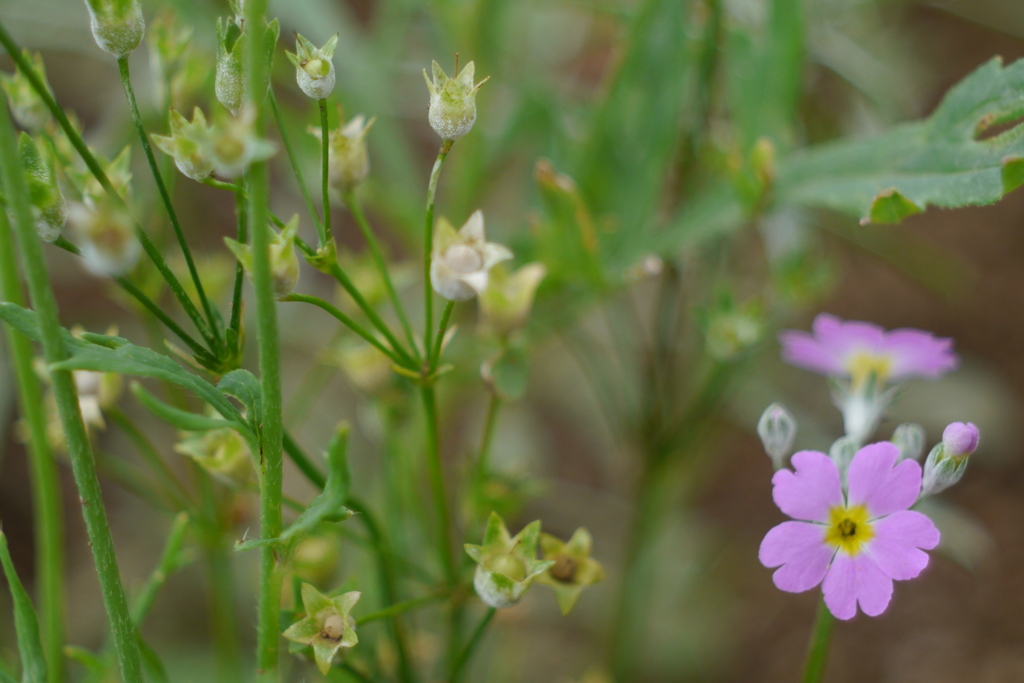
<point x="325" y="227"/>
<point x="817" y="648"/>
<point x="428" y="243"/>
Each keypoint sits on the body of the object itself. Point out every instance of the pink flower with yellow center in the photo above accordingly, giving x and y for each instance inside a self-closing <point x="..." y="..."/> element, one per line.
<point x="857" y="350"/>
<point x="854" y="543"/>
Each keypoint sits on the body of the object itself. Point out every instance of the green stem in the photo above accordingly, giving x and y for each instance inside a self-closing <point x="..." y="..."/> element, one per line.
<point x="293" y="160"/>
<point x="169" y="481"/>
<point x="79" y="448"/>
<point x="169" y="561"/>
<point x="435" y="354"/>
<point x="126" y="83"/>
<point x="471" y="645"/>
<point x="436" y="472"/>
<point x="817" y="648"/>
<point x="428" y="243"/>
<point x="47" y="507"/>
<point x="346" y="283"/>
<point x="399" y="608"/>
<point x="378" y="259"/>
<point x="268" y="628"/>
<point x="325" y="147"/>
<point x="351" y="324"/>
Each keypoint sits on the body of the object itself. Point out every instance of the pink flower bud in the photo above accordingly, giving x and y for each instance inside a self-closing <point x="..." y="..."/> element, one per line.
<point x="960" y="439"/>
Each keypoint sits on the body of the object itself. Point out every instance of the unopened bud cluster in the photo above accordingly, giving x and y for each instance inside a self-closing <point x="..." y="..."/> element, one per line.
<point x="946" y="462"/>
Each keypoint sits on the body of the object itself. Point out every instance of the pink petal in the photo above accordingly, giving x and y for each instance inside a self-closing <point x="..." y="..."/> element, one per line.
<point x="800" y="550"/>
<point x="898" y="537"/>
<point x="918" y="353"/>
<point x="845" y="337"/>
<point x="873" y="481"/>
<point x="810" y="491"/>
<point x="804" y="351"/>
<point x="856" y="579"/>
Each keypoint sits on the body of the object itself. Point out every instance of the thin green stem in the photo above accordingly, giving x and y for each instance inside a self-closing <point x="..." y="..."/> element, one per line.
<point x="436" y="472"/>
<point x="79" y="448"/>
<point x="378" y="258"/>
<point x="346" y="283"/>
<point x="126" y="83"/>
<point x="351" y="324"/>
<point x="170" y="559"/>
<point x="472" y="644"/>
<point x="269" y="609"/>
<point x="817" y="648"/>
<point x="47" y="507"/>
<point x="428" y="243"/>
<point x="325" y="153"/>
<point x="169" y="481"/>
<point x="293" y="160"/>
<point x="435" y="353"/>
<point x="400" y="608"/>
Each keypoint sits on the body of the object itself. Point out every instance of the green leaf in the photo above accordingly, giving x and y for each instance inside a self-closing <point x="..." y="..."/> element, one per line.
<point x="329" y="506"/>
<point x="155" y="670"/>
<point x="244" y="386"/>
<point x="182" y="419"/>
<point x="6" y="677"/>
<point x="938" y="161"/>
<point x="30" y="648"/>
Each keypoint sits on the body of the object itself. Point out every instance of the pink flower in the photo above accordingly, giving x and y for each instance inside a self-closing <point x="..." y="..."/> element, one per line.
<point x="855" y="544"/>
<point x="855" y="350"/>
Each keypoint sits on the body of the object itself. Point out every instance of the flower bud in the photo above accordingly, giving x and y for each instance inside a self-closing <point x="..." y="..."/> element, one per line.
<point x="506" y="566"/>
<point x="327" y="626"/>
<point x="730" y="332"/>
<point x="314" y="69"/>
<point x="573" y="568"/>
<point x="190" y="144"/>
<point x="221" y="452"/>
<point x="948" y="460"/>
<point x="452" y="110"/>
<point x="348" y="163"/>
<point x="505" y="304"/>
<point x="117" y="25"/>
<point x="842" y="452"/>
<point x="48" y="206"/>
<point x="461" y="261"/>
<point x="233" y="145"/>
<point x="229" y="83"/>
<point x="27" y="106"/>
<point x="909" y="437"/>
<point x="777" y="429"/>
<point x="169" y="43"/>
<point x="284" y="262"/>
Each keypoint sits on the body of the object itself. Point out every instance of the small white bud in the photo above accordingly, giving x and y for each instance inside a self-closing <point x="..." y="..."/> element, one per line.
<point x="948" y="460"/>
<point x="117" y="25"/>
<point x="842" y="451"/>
<point x="314" y="69"/>
<point x="777" y="429"/>
<point x="452" y="110"/>
<point x="909" y="437"/>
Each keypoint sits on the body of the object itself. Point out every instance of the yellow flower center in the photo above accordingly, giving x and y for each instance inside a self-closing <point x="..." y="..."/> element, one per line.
<point x="849" y="529"/>
<point x="862" y="365"/>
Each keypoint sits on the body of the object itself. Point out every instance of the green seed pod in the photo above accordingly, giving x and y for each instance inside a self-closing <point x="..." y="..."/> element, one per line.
<point x="117" y="25"/>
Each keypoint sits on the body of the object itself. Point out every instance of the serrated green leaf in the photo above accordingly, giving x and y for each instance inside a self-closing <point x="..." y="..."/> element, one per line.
<point x="936" y="161"/>
<point x="30" y="648"/>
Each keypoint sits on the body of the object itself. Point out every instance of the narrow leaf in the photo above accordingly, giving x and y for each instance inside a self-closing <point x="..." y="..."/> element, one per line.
<point x="30" y="648"/>
<point x="184" y="420"/>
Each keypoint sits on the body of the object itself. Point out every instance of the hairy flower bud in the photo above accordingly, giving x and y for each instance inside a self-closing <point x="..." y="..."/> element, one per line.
<point x="452" y="110"/>
<point x="506" y="566"/>
<point x="117" y="25"/>
<point x="505" y="304"/>
<point x="461" y="261"/>
<point x="777" y="429"/>
<point x="190" y="144"/>
<point x="284" y="262"/>
<point x="909" y="437"/>
<point x="48" y="206"/>
<point x="348" y="162"/>
<point x="327" y="626"/>
<point x="27" y="106"/>
<point x="314" y="69"/>
<point x="948" y="460"/>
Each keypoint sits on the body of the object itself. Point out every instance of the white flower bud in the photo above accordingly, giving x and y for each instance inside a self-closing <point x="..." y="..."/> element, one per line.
<point x="461" y="261"/>
<point x="314" y="69"/>
<point x="348" y="162"/>
<point x="190" y="144"/>
<point x="49" y="208"/>
<point x="505" y="304"/>
<point x="229" y="83"/>
<point x="117" y="25"/>
<point x="777" y="429"/>
<point x="842" y="451"/>
<point x="452" y="110"/>
<point x="106" y="237"/>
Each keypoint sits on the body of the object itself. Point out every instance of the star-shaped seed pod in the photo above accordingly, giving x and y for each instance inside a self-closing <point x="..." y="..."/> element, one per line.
<point x="507" y="565"/>
<point x="189" y="144"/>
<point x="327" y="626"/>
<point x="572" y="569"/>
<point x="348" y="162"/>
<point x="314" y="69"/>
<point x="452" y="111"/>
<point x="461" y="261"/>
